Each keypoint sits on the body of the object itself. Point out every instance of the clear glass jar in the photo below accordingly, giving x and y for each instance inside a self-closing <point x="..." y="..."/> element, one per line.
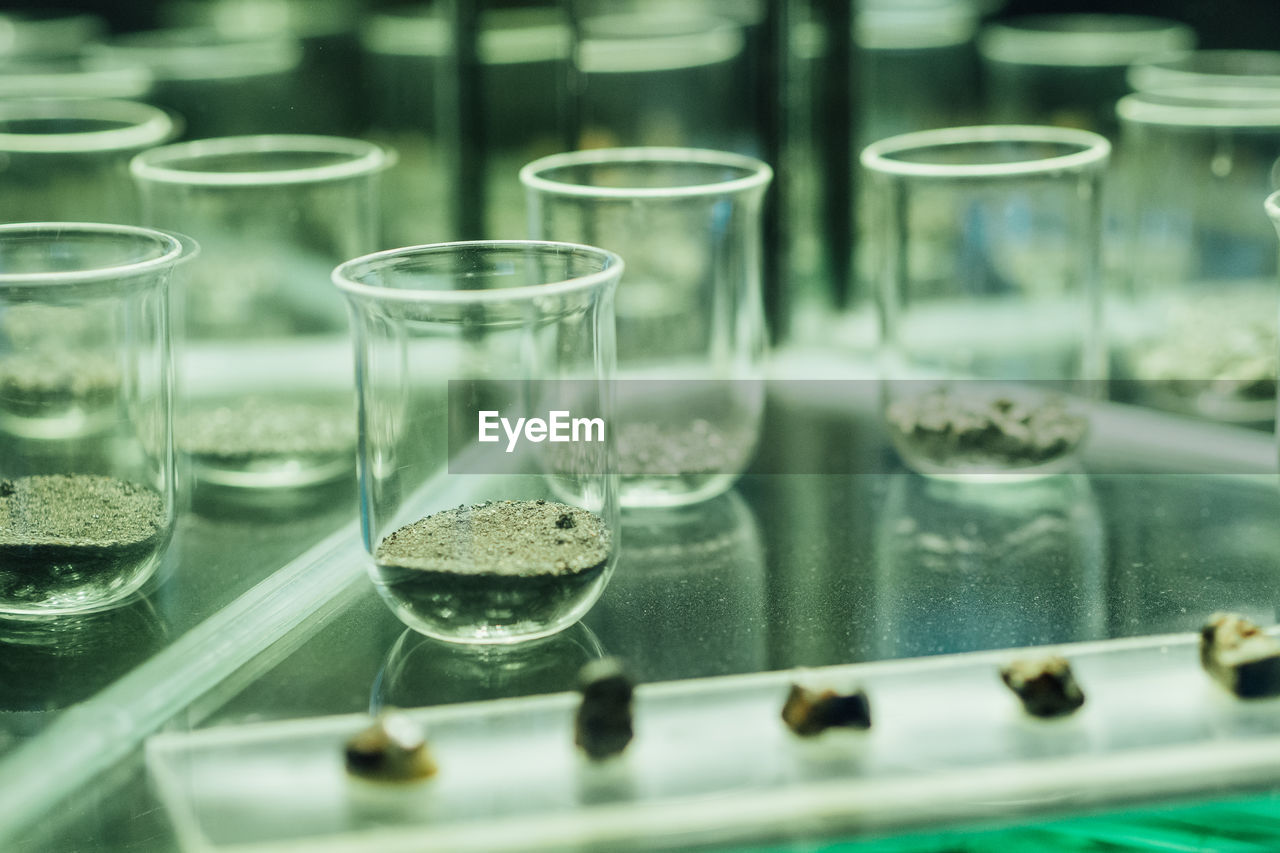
<point x="1194" y="325"/>
<point x="1068" y="70"/>
<point x="86" y="451"/>
<point x="986" y="250"/>
<point x="691" y="332"/>
<point x="465" y="117"/>
<point x="221" y="85"/>
<point x="68" y="158"/>
<point x="1227" y="68"/>
<point x="470" y="544"/>
<point x="265" y="393"/>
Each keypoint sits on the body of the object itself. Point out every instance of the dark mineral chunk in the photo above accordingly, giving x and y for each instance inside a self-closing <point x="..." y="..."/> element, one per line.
<point x="393" y="749"/>
<point x="603" y="724"/>
<point x="1045" y="685"/>
<point x="810" y="712"/>
<point x="1238" y="654"/>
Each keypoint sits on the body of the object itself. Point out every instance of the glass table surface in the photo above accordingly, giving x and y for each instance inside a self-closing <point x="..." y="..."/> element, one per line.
<point x="266" y="614"/>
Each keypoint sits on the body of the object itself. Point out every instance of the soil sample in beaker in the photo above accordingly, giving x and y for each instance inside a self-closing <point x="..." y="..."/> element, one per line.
<point x="65" y="538"/>
<point x="494" y="568"/>
<point x="259" y="442"/>
<point x="942" y="431"/>
<point x="1218" y="359"/>
<point x="56" y="394"/>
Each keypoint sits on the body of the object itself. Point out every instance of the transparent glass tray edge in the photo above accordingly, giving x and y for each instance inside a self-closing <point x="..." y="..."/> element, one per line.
<point x="713" y="763"/>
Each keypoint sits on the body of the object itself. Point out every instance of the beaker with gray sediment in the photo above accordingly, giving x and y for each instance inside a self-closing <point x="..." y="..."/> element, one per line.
<point x="264" y="376"/>
<point x="86" y="452"/>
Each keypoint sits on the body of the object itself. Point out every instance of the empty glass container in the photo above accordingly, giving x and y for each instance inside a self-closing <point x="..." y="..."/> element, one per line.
<point x="470" y="542"/>
<point x="86" y="452"/>
<point x="691" y="330"/>
<point x="221" y="85"/>
<point x="264" y="379"/>
<point x="68" y="158"/>
<point x="915" y="66"/>
<point x="47" y="33"/>
<point x="678" y="75"/>
<point x="986" y="258"/>
<point x="72" y="77"/>
<point x="465" y="115"/>
<point x="1069" y="69"/>
<point x="1228" y="68"/>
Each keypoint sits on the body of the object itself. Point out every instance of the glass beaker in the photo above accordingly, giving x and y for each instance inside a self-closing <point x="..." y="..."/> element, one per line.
<point x="265" y="396"/>
<point x="1194" y="327"/>
<point x="914" y="66"/>
<point x="689" y="315"/>
<point x="1068" y="70"/>
<point x="86" y="452"/>
<point x="1229" y="68"/>
<point x="71" y="77"/>
<point x="47" y="33"/>
<point x="67" y="159"/>
<point x="466" y="114"/>
<point x="463" y="551"/>
<point x="986" y="244"/>
<point x="645" y="72"/>
<point x="221" y="85"/>
<point x="327" y="89"/>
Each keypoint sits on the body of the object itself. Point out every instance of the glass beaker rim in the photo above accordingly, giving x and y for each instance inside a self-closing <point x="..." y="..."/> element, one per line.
<point x="1082" y="39"/>
<point x="363" y="158"/>
<point x="507" y="36"/>
<point x="71" y="77"/>
<point x="1272" y="206"/>
<point x="145" y="125"/>
<point x="757" y="173"/>
<point x="202" y="53"/>
<point x="346" y="275"/>
<point x="1208" y="106"/>
<point x="1092" y="151"/>
<point x="170" y="248"/>
<point x="1206" y="67"/>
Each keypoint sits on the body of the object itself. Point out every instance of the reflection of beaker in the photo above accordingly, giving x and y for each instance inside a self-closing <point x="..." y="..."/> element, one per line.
<point x="695" y="572"/>
<point x="53" y="663"/>
<point x="420" y="670"/>
<point x="963" y="567"/>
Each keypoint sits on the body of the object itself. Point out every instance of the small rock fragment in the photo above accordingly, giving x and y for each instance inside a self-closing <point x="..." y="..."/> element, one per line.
<point x="1240" y="656"/>
<point x="603" y="724"/>
<point x="1045" y="685"/>
<point x="393" y="749"/>
<point x="809" y="712"/>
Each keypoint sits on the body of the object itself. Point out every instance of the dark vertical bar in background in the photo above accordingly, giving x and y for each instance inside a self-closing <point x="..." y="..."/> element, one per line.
<point x="771" y="110"/>
<point x="834" y="130"/>
<point x="571" y="97"/>
<point x="467" y="107"/>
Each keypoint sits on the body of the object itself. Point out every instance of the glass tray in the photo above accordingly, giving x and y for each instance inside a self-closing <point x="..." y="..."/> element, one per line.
<point x="712" y="763"/>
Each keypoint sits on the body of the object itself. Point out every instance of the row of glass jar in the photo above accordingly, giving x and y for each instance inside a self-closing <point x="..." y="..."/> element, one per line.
<point x="442" y="334"/>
